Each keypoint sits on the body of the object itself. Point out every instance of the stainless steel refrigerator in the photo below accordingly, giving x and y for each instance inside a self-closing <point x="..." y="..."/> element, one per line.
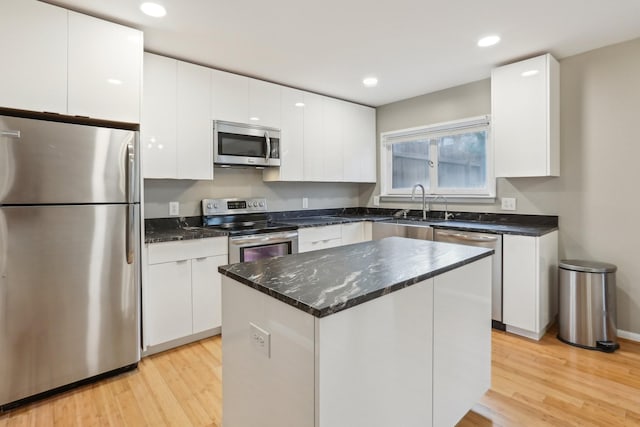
<point x="69" y="254"/>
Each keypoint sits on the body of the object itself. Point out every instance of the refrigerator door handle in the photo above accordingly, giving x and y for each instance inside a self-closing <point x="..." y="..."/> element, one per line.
<point x="131" y="232"/>
<point x="131" y="173"/>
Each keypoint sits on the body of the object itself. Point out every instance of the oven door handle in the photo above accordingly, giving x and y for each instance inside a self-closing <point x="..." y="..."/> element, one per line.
<point x="270" y="237"/>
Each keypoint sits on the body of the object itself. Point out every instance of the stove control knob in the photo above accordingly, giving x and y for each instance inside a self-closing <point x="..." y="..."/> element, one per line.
<point x="215" y="206"/>
<point x="255" y="204"/>
<point x="262" y="204"/>
<point x="209" y="205"/>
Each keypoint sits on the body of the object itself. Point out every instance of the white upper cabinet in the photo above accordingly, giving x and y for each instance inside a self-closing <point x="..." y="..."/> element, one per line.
<point x="525" y="118"/>
<point x="332" y="137"/>
<point x="264" y="103"/>
<point x="194" y="125"/>
<point x="229" y="97"/>
<point x="313" y="148"/>
<point x="359" y="143"/>
<point x="176" y="121"/>
<point x="33" y="37"/>
<point x="291" y="140"/>
<point x="104" y="69"/>
<point x="158" y="126"/>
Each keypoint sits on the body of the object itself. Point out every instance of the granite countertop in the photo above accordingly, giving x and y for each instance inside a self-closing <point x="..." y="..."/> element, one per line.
<point x="327" y="281"/>
<point x="322" y="220"/>
<point x="181" y="233"/>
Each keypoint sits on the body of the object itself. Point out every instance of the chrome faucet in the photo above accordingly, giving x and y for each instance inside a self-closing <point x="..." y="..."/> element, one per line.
<point x="424" y="199"/>
<point x="447" y="215"/>
<point x="401" y="213"/>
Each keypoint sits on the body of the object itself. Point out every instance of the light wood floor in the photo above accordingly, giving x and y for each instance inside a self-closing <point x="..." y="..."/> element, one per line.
<point x="534" y="384"/>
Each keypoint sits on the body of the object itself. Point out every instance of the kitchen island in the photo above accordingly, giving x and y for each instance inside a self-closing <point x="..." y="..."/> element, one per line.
<point x="381" y="333"/>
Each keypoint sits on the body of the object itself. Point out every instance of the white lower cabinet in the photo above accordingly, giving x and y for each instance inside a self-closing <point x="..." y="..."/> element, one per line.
<point x="315" y="238"/>
<point x="330" y="236"/>
<point x="529" y="283"/>
<point x="181" y="296"/>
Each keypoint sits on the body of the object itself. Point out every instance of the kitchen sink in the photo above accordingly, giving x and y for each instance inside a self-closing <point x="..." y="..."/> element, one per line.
<point x="402" y="228"/>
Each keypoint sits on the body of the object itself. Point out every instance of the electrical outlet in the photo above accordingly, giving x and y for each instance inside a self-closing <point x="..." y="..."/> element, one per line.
<point x="508" y="204"/>
<point x="260" y="339"/>
<point x="376" y="200"/>
<point x="305" y="203"/>
<point x="174" y="208"/>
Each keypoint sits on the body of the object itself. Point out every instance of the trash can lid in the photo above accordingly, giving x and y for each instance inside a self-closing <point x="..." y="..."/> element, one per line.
<point x="587" y="266"/>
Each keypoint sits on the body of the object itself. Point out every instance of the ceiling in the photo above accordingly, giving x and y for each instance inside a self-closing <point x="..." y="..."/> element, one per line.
<point x="413" y="46"/>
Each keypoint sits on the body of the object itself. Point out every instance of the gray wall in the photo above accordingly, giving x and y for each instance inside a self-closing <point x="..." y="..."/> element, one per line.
<point x="596" y="196"/>
<point x="243" y="183"/>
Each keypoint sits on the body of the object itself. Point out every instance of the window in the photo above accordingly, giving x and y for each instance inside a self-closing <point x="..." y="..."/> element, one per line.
<point x="451" y="159"/>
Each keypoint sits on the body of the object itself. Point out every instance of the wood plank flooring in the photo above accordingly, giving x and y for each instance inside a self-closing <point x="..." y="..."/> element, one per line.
<point x="544" y="383"/>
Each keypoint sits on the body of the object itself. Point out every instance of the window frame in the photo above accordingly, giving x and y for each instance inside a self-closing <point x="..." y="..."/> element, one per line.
<point x="437" y="130"/>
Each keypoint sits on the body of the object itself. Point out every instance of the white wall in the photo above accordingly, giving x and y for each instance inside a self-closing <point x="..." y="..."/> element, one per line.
<point x="244" y="183"/>
<point x="596" y="196"/>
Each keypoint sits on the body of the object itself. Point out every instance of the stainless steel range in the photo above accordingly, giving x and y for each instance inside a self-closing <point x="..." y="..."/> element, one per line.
<point x="251" y="235"/>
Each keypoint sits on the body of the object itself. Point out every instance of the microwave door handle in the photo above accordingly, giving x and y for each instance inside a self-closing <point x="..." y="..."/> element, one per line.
<point x="266" y="137"/>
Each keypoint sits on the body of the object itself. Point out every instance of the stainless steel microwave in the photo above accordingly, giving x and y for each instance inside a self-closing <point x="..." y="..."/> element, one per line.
<point x="245" y="145"/>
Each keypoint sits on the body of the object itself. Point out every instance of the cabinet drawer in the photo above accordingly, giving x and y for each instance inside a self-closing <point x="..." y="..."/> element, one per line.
<point x="319" y="244"/>
<point x="316" y="234"/>
<point x="186" y="249"/>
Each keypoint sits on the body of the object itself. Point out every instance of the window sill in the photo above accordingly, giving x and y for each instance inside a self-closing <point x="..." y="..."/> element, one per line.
<point x="453" y="200"/>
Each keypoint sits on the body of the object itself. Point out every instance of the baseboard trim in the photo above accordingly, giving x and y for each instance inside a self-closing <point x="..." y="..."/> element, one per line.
<point x="527" y="334"/>
<point x="153" y="349"/>
<point x="631" y="336"/>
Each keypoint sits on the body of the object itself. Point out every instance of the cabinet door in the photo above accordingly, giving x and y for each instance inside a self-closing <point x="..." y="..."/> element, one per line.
<point x="264" y="103"/>
<point x="292" y="139"/>
<point x="524" y="98"/>
<point x="158" y="127"/>
<point x="33" y="39"/>
<point x="332" y="137"/>
<point x="519" y="281"/>
<point x="206" y="283"/>
<point x="352" y="233"/>
<point x="229" y="97"/>
<point x="313" y="154"/>
<point x="359" y="143"/>
<point x="105" y="69"/>
<point x="194" y="125"/>
<point x="168" y="303"/>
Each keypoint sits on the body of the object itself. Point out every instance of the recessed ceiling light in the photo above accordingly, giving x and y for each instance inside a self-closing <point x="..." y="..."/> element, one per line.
<point x="370" y="82"/>
<point x="529" y="73"/>
<point x="299" y="104"/>
<point x="255" y="119"/>
<point x="153" y="9"/>
<point x="488" y="41"/>
<point x="114" y="81"/>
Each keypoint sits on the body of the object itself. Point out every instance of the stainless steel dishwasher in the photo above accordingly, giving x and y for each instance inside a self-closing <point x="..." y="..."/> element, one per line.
<point x="484" y="240"/>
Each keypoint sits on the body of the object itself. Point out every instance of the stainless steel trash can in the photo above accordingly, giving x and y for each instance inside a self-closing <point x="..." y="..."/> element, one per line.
<point x="587" y="304"/>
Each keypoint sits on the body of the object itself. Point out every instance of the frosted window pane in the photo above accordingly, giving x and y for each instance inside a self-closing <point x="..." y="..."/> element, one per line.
<point x="410" y="164"/>
<point x="462" y="161"/>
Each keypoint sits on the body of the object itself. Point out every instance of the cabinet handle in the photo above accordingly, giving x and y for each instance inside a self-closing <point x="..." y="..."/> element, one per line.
<point x="202" y="258"/>
<point x="11" y="134"/>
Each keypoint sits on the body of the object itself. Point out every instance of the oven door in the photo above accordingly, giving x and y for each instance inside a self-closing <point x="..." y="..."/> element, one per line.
<point x="238" y="144"/>
<point x="259" y="246"/>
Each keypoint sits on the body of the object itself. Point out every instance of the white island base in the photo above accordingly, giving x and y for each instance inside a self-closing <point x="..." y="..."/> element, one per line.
<point x="416" y="357"/>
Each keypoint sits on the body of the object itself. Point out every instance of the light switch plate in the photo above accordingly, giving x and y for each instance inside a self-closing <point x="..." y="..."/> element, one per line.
<point x="376" y="200"/>
<point x="305" y="203"/>
<point x="508" y="203"/>
<point x="174" y="208"/>
<point x="260" y="339"/>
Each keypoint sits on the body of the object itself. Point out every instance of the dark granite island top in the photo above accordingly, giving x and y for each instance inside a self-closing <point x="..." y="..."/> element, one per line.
<point x="331" y="280"/>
